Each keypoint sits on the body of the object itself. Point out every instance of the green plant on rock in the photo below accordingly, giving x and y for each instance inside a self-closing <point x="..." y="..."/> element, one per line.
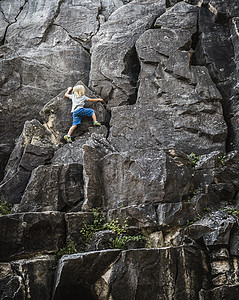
<point x="5" y="207"/>
<point x="99" y="224"/>
<point x="68" y="248"/>
<point x="232" y="211"/>
<point x="120" y="242"/>
<point x="192" y="193"/>
<point x="194" y="159"/>
<point x="222" y="158"/>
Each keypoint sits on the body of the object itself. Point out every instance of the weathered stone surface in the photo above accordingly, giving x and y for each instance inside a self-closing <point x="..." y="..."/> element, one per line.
<point x="93" y="14"/>
<point x="29" y="233"/>
<point x="142" y="263"/>
<point x="155" y="175"/>
<point x="93" y="152"/>
<point x="74" y="222"/>
<point x="139" y="216"/>
<point x="215" y="229"/>
<point x="180" y="213"/>
<point x="11" y="287"/>
<point x="51" y="188"/>
<point x="178" y="104"/>
<point x="28" y="279"/>
<point x="33" y="148"/>
<point x="100" y="240"/>
<point x="57" y="116"/>
<point x="114" y="64"/>
<point x="73" y="153"/>
<point x="222" y="292"/>
<point x="232" y="105"/>
<point x="76" y="274"/>
<point x="135" y="270"/>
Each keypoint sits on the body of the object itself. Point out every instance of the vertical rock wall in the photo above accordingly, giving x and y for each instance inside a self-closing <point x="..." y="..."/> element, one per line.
<point x="165" y="160"/>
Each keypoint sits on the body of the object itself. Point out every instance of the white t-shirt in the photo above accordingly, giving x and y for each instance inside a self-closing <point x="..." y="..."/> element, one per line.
<point x="77" y="102"/>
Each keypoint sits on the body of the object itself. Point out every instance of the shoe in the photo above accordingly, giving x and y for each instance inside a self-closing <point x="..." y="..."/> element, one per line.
<point x="96" y="123"/>
<point x="68" y="139"/>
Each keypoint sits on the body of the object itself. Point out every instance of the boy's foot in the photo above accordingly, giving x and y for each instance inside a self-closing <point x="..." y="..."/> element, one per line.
<point x="68" y="138"/>
<point x="96" y="123"/>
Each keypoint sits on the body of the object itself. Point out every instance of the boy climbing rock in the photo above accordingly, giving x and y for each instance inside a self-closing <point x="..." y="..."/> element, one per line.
<point x="78" y="111"/>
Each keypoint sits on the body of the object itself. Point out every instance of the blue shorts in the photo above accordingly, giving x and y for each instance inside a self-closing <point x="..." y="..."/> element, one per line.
<point x="81" y="112"/>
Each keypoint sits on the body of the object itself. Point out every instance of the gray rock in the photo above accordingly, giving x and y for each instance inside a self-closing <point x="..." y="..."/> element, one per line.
<point x="180" y="213"/>
<point x="11" y="287"/>
<point x="30" y="278"/>
<point x="33" y="148"/>
<point x="102" y="274"/>
<point x="155" y="175"/>
<point x="73" y="153"/>
<point x="215" y="229"/>
<point x="114" y="64"/>
<point x="178" y="104"/>
<point x="74" y="223"/>
<point x="217" y="31"/>
<point x="139" y="216"/>
<point x="100" y="240"/>
<point x="234" y="243"/>
<point x="93" y="15"/>
<point x="30" y="233"/>
<point x="52" y="188"/>
<point x="77" y="274"/>
<point x="93" y="152"/>
<point x="221" y="292"/>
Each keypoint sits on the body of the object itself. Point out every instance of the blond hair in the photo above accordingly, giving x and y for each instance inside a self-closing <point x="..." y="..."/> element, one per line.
<point x="79" y="90"/>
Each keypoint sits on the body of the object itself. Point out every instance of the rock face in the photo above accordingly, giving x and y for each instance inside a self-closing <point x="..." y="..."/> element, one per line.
<point x="33" y="148"/>
<point x="131" y="270"/>
<point x="24" y="234"/>
<point x="176" y="107"/>
<point x="115" y="66"/>
<point x="145" y="206"/>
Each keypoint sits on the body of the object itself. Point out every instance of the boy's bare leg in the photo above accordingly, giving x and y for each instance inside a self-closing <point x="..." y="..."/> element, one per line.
<point x="73" y="127"/>
<point x="94" y="117"/>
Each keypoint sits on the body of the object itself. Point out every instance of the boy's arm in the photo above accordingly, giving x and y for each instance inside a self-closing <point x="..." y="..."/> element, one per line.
<point x="68" y="91"/>
<point x="94" y="100"/>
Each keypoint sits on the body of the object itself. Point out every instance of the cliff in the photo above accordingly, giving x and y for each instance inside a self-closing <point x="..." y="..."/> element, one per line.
<point x="145" y="206"/>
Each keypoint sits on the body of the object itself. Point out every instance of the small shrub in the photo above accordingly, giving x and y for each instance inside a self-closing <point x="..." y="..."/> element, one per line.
<point x="100" y="224"/>
<point x="222" y="158"/>
<point x="232" y="211"/>
<point x="120" y="242"/>
<point x="194" y="159"/>
<point x="5" y="208"/>
<point x="68" y="248"/>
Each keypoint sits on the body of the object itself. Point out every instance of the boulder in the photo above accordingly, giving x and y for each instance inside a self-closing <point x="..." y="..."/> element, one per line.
<point x="114" y="63"/>
<point x="215" y="229"/>
<point x="52" y="188"/>
<point x="73" y="153"/>
<point x="93" y="152"/>
<point x="102" y="274"/>
<point x="30" y="233"/>
<point x="77" y="274"/>
<point x="182" y="213"/>
<point x="133" y="270"/>
<point x="156" y="176"/>
<point x="178" y="105"/>
<point x="28" y="278"/>
<point x="33" y="148"/>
